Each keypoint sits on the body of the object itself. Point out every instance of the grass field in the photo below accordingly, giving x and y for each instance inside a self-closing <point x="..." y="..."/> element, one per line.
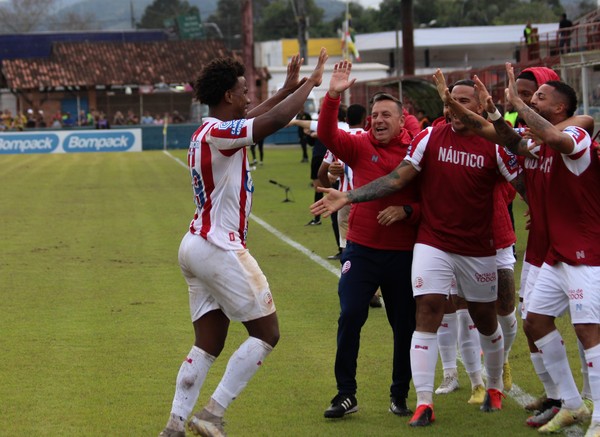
<point x="94" y="319"/>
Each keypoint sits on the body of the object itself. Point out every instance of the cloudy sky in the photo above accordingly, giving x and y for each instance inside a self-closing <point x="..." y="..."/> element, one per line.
<point x="369" y="3"/>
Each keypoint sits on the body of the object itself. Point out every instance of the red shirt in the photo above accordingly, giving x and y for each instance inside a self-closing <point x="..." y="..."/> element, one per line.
<point x="369" y="160"/>
<point x="458" y="178"/>
<point x="573" y="203"/>
<point x="504" y="233"/>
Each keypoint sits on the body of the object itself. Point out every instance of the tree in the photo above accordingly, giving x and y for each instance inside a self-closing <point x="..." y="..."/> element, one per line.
<point x="279" y="21"/>
<point x="73" y="21"/>
<point x="22" y="16"/>
<point x="160" y="10"/>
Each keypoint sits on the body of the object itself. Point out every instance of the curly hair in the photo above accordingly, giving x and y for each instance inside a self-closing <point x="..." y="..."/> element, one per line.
<point x="218" y="76"/>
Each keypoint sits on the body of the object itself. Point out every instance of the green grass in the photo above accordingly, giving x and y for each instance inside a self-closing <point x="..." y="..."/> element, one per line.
<point x="94" y="320"/>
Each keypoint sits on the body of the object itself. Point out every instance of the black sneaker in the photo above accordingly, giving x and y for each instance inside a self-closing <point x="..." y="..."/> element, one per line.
<point x="313" y="222"/>
<point x="341" y="405"/>
<point x="399" y="408"/>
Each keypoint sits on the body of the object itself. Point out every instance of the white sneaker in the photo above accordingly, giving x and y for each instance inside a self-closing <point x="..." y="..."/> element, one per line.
<point x="448" y="385"/>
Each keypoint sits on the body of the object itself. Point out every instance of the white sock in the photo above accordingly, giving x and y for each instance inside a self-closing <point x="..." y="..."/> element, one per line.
<point x="447" y="335"/>
<point x="190" y="378"/>
<point x="586" y="391"/>
<point x="469" y="345"/>
<point x="242" y="365"/>
<point x="493" y="357"/>
<point x="592" y="357"/>
<point x="554" y="354"/>
<point x="550" y="387"/>
<point x="423" y="359"/>
<point x="509" y="331"/>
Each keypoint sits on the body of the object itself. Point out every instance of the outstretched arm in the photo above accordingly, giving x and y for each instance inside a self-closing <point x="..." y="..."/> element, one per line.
<point x="290" y="85"/>
<point x="381" y="187"/>
<point x="281" y="114"/>
<point x="339" y="81"/>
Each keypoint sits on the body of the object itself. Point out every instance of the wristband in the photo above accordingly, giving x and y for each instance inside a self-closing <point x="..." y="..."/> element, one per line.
<point x="493" y="116"/>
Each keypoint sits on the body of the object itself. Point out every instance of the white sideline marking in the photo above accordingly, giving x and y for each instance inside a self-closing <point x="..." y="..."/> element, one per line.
<point x="516" y="393"/>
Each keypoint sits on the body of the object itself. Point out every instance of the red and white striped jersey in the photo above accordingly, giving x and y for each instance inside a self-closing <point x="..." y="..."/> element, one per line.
<point x="346" y="183"/>
<point x="221" y="181"/>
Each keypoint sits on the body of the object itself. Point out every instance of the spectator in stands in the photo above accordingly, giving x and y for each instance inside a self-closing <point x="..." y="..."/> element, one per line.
<point x="564" y="33"/>
<point x="40" y="121"/>
<point x="177" y="117"/>
<point x="102" y="121"/>
<point x="423" y="119"/>
<point x="30" y="123"/>
<point x="132" y="118"/>
<point x="67" y="120"/>
<point x="119" y="118"/>
<point x="147" y="118"/>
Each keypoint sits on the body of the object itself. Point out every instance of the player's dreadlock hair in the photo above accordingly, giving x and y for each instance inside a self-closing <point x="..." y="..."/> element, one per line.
<point x="568" y="94"/>
<point x="218" y="76"/>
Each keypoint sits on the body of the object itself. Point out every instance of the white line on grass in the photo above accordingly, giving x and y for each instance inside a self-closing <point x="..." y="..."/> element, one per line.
<point x="521" y="397"/>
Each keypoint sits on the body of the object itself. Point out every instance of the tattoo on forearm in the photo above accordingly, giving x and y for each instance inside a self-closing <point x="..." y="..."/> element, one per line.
<point x="384" y="186"/>
<point x="509" y="138"/>
<point x="470" y="121"/>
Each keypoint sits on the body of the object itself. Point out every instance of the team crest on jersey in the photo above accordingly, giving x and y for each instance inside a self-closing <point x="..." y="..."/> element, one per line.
<point x="346" y="267"/>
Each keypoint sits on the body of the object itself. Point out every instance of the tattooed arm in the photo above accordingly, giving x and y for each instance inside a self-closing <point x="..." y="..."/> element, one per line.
<point x="381" y="187"/>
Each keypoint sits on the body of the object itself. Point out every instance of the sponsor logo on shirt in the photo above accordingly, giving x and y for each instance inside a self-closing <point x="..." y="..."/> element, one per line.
<point x="459" y="157"/>
<point x="544" y="164"/>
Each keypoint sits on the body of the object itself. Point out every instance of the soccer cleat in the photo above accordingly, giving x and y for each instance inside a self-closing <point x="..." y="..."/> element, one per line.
<point x="341" y="405"/>
<point x="313" y="222"/>
<point x="537" y="404"/>
<point x="593" y="430"/>
<point x="206" y="424"/>
<point x="506" y="376"/>
<point x="492" y="401"/>
<point x="423" y="416"/>
<point x="477" y="395"/>
<point x="448" y="385"/>
<point x="542" y="417"/>
<point x="336" y="256"/>
<point x="169" y="432"/>
<point x="566" y="417"/>
<point x="399" y="408"/>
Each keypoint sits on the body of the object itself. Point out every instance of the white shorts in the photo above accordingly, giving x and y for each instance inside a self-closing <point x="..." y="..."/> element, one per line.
<point x="434" y="269"/>
<point x="561" y="287"/>
<point x="505" y="259"/>
<point x="223" y="279"/>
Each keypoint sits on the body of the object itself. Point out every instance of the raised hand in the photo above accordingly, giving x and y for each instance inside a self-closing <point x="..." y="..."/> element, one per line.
<point x="317" y="74"/>
<point x="292" y="81"/>
<point x="485" y="99"/>
<point x="442" y="88"/>
<point x="512" y="95"/>
<point x="339" y="81"/>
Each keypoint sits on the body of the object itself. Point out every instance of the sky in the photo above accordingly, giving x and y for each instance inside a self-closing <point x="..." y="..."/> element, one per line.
<point x="369" y="3"/>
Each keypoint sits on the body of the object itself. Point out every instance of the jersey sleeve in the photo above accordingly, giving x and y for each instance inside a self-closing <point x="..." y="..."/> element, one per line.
<point x="508" y="164"/>
<point x="417" y="148"/>
<point x="579" y="159"/>
<point x="329" y="157"/>
<point x="229" y="135"/>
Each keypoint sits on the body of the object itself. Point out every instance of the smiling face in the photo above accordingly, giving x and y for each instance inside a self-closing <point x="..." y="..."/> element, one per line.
<point x="545" y="102"/>
<point x="386" y="120"/>
<point x="238" y="97"/>
<point x="466" y="96"/>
